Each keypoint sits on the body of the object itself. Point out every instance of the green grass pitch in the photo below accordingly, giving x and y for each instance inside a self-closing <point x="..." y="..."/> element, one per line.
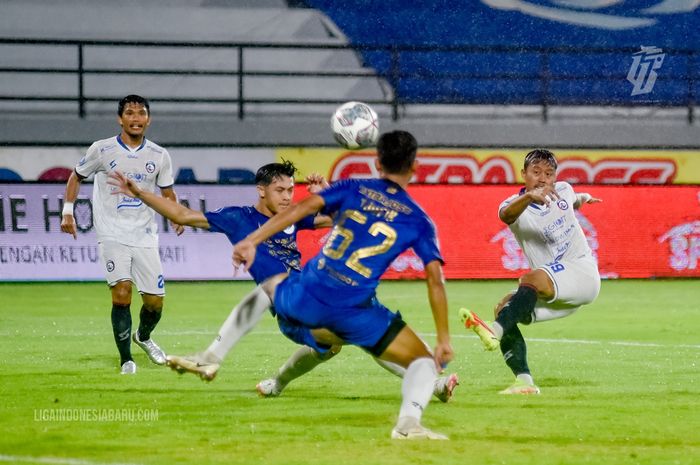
<point x="620" y="384"/>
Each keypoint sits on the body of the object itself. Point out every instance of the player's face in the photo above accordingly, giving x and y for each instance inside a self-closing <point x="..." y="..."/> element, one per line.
<point x="277" y="196"/>
<point x="134" y="120"/>
<point x="539" y="174"/>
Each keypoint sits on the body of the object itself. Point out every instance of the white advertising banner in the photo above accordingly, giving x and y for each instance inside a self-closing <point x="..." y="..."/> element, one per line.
<point x="32" y="246"/>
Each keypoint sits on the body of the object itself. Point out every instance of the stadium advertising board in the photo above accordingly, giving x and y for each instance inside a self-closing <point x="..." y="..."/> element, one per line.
<point x="493" y="166"/>
<point x="32" y="246"/>
<point x="637" y="232"/>
<point x="437" y="166"/>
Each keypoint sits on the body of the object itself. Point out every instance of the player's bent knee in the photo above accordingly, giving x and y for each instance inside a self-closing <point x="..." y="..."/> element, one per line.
<point x="332" y="352"/>
<point x="499" y="306"/>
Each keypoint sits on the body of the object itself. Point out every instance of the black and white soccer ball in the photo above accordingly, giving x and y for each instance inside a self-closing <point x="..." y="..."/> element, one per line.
<point x="355" y="125"/>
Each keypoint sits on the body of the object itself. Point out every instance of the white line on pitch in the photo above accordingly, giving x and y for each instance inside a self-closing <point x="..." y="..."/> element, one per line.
<point x="55" y="460"/>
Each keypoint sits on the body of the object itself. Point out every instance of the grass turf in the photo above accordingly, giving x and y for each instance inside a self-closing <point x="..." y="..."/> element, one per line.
<point x="620" y="382"/>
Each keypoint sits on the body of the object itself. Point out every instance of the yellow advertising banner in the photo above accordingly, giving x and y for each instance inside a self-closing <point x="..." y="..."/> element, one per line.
<point x="493" y="166"/>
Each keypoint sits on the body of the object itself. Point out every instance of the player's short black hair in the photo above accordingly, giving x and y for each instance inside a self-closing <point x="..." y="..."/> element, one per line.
<point x="268" y="173"/>
<point x="133" y="98"/>
<point x="397" y="151"/>
<point x="540" y="155"/>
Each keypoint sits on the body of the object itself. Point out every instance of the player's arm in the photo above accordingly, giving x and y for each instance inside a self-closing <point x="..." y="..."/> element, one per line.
<point x="542" y="195"/>
<point x="170" y="209"/>
<point x="438" y="304"/>
<point x="169" y="193"/>
<point x="585" y="197"/>
<point x="244" y="251"/>
<point x="72" y="189"/>
<point x="315" y="183"/>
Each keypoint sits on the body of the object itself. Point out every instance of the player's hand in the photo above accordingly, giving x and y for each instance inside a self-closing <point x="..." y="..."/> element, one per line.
<point x="179" y="229"/>
<point x="443" y="355"/>
<point x="244" y="253"/>
<point x="543" y="195"/>
<point x="123" y="184"/>
<point x="68" y="226"/>
<point x="594" y="200"/>
<point x="316" y="183"/>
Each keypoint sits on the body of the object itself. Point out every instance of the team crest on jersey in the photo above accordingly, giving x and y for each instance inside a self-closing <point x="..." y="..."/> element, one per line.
<point x="563" y="204"/>
<point x="150" y="166"/>
<point x="289" y="229"/>
<point x="110" y="266"/>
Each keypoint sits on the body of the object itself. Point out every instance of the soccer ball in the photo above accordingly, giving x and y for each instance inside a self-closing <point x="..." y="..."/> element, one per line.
<point x="355" y="125"/>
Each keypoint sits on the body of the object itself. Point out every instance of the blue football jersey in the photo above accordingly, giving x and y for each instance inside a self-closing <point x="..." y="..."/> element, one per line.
<point x="278" y="254"/>
<point x="375" y="221"/>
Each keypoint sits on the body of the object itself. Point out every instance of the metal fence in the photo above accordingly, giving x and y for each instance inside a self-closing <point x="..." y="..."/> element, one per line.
<point x="426" y="75"/>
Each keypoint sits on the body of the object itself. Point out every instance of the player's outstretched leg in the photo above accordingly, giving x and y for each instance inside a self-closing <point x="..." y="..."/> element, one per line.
<point x="472" y="321"/>
<point x="240" y="321"/>
<point x="201" y="364"/>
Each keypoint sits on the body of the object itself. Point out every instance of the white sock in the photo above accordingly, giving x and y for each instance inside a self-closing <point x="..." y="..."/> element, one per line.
<point x="393" y="368"/>
<point x="417" y="388"/>
<point x="301" y="362"/>
<point x="497" y="330"/>
<point x="526" y="378"/>
<point x="242" y="319"/>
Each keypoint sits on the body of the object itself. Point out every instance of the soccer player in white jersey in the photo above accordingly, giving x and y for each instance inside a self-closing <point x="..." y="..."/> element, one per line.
<point x="127" y="233"/>
<point x="564" y="272"/>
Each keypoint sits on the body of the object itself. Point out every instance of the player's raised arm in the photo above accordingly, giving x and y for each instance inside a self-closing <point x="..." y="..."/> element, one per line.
<point x="244" y="251"/>
<point x="168" y="208"/>
<point x="585" y="197"/>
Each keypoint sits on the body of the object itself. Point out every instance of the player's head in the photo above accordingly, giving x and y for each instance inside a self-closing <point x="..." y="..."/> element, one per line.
<point x="396" y="152"/>
<point x="539" y="169"/>
<point x="133" y="99"/>
<point x="275" y="184"/>
<point x="134" y="115"/>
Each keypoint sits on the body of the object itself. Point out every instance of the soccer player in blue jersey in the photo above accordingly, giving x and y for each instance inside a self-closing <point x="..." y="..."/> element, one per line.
<point x="333" y="300"/>
<point x="275" y="185"/>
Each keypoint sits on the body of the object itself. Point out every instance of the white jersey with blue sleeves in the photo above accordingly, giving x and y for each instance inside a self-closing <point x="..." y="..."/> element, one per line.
<point x="550" y="233"/>
<point x="119" y="217"/>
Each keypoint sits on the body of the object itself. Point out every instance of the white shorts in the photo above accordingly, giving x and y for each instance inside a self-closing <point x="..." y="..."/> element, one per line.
<point x="140" y="265"/>
<point x="576" y="283"/>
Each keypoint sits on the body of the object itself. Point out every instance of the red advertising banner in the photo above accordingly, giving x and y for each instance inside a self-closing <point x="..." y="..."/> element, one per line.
<point x="637" y="232"/>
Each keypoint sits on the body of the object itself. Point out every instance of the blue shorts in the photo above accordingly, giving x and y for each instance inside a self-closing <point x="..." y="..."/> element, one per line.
<point x="370" y="326"/>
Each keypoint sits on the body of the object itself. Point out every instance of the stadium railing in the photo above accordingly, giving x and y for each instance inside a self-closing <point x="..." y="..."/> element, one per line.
<point x="415" y="75"/>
